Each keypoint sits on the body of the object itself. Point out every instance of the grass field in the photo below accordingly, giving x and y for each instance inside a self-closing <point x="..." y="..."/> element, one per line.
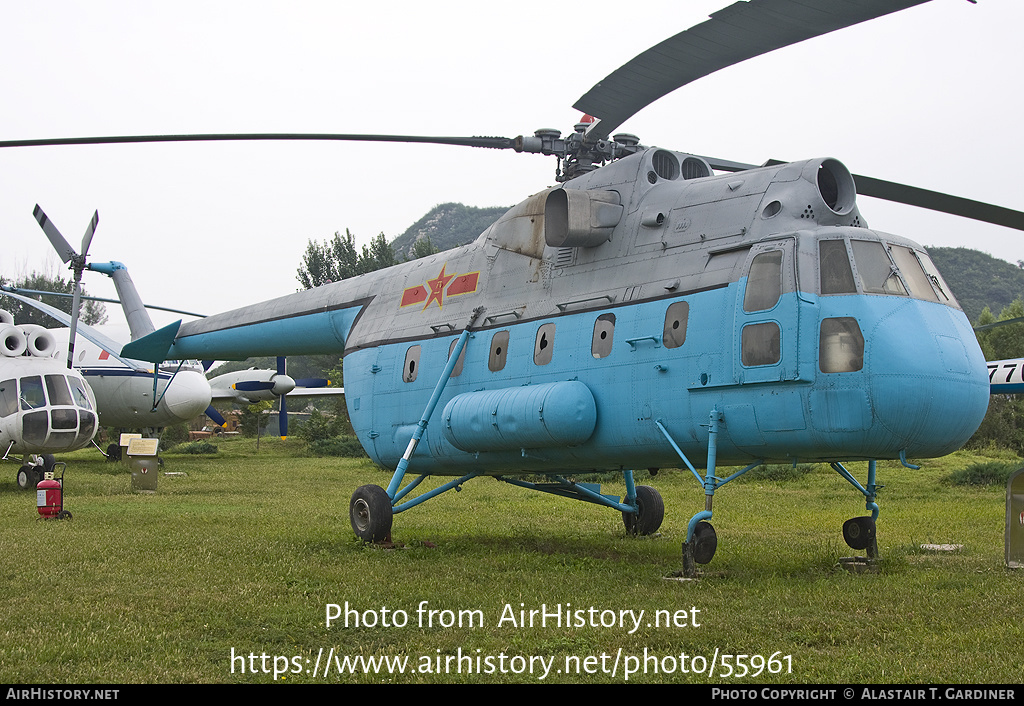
<point x="225" y="574"/>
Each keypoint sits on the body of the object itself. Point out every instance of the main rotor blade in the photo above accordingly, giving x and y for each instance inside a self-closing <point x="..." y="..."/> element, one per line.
<point x="909" y="195"/>
<point x="736" y="33"/>
<point x="498" y="143"/>
<point x="937" y="201"/>
<point x="59" y="243"/>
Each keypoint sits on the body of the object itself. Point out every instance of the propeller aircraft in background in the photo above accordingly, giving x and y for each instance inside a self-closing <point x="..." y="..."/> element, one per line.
<point x="646" y="312"/>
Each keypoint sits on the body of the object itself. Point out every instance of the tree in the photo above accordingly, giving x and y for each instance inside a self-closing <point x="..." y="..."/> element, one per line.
<point x="1004" y="422"/>
<point x="422" y="248"/>
<point x="337" y="259"/>
<point x="93" y="313"/>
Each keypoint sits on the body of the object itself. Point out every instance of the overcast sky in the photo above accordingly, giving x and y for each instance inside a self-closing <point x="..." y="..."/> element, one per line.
<point x="930" y="96"/>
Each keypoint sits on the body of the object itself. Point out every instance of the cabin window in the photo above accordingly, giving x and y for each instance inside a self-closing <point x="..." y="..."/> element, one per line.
<point x="834" y="271"/>
<point x="676" y="318"/>
<point x="32" y="393"/>
<point x="877" y="273"/>
<point x="764" y="283"/>
<point x="499" y="351"/>
<point x="761" y="344"/>
<point x="457" y="370"/>
<point x="57" y="390"/>
<point x="604" y="332"/>
<point x="8" y="398"/>
<point x="544" y="345"/>
<point x="840" y="345"/>
<point x="412" y="364"/>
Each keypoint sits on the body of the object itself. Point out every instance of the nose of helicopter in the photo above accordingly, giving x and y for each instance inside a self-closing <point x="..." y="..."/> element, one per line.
<point x="188" y="395"/>
<point x="929" y="381"/>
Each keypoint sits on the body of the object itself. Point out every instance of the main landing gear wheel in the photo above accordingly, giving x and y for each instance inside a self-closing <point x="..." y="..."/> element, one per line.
<point x="27" y="477"/>
<point x="859" y="532"/>
<point x="650" y="512"/>
<point x="370" y="513"/>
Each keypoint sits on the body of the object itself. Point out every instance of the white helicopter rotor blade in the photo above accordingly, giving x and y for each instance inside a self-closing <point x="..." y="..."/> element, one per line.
<point x="89" y="232"/>
<point x="60" y="244"/>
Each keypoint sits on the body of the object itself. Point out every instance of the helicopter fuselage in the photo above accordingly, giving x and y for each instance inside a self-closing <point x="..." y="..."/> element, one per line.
<point x="623" y="308"/>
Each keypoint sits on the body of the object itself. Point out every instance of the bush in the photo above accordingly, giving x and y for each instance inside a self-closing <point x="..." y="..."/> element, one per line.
<point x="196" y="447"/>
<point x="347" y="446"/>
<point x="988" y="473"/>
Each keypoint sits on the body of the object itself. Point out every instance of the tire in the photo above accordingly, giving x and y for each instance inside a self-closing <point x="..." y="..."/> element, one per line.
<point x="27" y="478"/>
<point x="650" y="512"/>
<point x="370" y="513"/>
<point x="859" y="532"/>
<point x="113" y="452"/>
<point x="705" y="542"/>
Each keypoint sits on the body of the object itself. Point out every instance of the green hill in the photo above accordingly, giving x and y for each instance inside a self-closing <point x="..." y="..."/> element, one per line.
<point x="978" y="279"/>
<point x="448" y="226"/>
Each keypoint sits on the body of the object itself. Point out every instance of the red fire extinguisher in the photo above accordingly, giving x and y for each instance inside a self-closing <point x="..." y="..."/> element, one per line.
<point x="50" y="498"/>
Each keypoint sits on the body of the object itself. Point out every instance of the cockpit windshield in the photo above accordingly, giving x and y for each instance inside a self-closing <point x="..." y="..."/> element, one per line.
<point x="875" y="267"/>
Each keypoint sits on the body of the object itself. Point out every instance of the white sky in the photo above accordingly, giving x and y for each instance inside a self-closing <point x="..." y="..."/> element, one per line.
<point x="930" y="96"/>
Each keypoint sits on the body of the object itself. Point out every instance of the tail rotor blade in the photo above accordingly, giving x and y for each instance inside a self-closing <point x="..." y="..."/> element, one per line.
<point x="59" y="243"/>
<point x="89" y="232"/>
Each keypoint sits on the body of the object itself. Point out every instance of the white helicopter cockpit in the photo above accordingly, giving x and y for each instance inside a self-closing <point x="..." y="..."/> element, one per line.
<point x="44" y="407"/>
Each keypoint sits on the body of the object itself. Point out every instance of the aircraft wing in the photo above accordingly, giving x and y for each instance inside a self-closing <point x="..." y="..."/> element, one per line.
<point x="1006" y="377"/>
<point x="87" y="332"/>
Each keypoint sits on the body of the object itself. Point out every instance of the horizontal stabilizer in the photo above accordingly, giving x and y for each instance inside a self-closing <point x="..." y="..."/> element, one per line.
<point x="154" y="347"/>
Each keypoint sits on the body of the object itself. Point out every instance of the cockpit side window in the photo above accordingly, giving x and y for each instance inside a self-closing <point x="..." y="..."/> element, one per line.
<point x="32" y="393"/>
<point x="834" y="271"/>
<point x="79" y="393"/>
<point x="941" y="288"/>
<point x="764" y="283"/>
<point x="8" y="397"/>
<point x="877" y="273"/>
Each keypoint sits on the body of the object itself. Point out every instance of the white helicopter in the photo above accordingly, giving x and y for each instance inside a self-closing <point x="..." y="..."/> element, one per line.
<point x="44" y="407"/>
<point x="127" y="395"/>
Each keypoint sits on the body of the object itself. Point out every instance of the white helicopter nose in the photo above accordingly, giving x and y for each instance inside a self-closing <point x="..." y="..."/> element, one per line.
<point x="188" y="395"/>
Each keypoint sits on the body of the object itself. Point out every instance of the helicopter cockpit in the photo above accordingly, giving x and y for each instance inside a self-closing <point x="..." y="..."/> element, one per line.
<point x="56" y="410"/>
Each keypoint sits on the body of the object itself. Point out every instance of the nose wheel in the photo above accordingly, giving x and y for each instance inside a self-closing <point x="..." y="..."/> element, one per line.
<point x="859" y="533"/>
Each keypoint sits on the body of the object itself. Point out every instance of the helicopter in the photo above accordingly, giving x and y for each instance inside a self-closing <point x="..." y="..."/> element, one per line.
<point x="125" y="389"/>
<point x="44" y="407"/>
<point x="654" y="309"/>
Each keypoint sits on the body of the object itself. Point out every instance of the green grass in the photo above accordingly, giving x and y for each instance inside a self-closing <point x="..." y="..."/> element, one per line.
<point x="243" y="551"/>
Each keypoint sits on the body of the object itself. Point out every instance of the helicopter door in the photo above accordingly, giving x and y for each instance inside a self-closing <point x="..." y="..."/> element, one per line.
<point x="767" y="313"/>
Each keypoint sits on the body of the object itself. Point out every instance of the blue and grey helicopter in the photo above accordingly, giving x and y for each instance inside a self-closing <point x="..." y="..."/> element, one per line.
<point x="655" y="309"/>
